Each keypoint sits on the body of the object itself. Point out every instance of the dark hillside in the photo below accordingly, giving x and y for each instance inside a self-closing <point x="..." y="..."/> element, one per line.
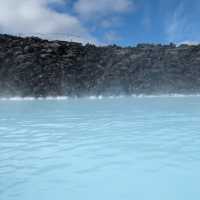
<point x="36" y="67"/>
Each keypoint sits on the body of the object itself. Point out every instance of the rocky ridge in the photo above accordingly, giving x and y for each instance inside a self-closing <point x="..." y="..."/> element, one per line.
<point x="35" y="67"/>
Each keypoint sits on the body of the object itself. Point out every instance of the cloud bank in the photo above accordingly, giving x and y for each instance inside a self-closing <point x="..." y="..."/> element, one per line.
<point x="101" y="8"/>
<point x="41" y="18"/>
<point x="31" y="17"/>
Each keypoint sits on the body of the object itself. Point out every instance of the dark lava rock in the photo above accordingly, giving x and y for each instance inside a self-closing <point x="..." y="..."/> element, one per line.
<point x="35" y="67"/>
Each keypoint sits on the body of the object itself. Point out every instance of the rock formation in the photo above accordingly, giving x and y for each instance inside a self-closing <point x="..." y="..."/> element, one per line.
<point x="35" y="67"/>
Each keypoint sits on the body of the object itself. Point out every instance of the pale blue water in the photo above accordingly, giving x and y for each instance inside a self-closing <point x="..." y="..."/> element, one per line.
<point x="108" y="149"/>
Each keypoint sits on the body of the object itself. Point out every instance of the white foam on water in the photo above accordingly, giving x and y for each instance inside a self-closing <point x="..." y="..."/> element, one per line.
<point x="17" y="99"/>
<point x="95" y="97"/>
<point x="58" y="98"/>
<point x="33" y="98"/>
<point x="166" y="96"/>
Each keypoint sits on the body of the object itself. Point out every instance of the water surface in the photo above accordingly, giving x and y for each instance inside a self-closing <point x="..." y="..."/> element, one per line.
<point x="100" y="149"/>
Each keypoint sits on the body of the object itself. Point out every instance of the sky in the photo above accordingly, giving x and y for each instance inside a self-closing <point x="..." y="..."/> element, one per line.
<point x="102" y="22"/>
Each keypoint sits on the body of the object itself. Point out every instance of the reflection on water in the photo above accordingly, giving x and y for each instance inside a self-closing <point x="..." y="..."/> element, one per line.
<point x="120" y="149"/>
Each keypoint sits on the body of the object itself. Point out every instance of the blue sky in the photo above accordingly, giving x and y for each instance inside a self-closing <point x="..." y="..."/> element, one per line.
<point x="123" y="22"/>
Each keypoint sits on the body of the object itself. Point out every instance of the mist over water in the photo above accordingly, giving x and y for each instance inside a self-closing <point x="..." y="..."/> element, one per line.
<point x="119" y="148"/>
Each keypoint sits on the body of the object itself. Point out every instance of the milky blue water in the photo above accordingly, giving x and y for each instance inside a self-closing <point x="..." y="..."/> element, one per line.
<point x="100" y="149"/>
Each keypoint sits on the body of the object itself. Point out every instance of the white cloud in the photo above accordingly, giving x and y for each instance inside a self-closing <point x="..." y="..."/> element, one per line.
<point x="111" y="37"/>
<point x="102" y="8"/>
<point x="34" y="16"/>
<point x="108" y="22"/>
<point x="105" y="14"/>
<point x="180" y="28"/>
<point x="176" y="24"/>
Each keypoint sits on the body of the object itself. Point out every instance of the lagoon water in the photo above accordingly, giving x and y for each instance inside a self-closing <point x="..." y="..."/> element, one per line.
<point x="129" y="148"/>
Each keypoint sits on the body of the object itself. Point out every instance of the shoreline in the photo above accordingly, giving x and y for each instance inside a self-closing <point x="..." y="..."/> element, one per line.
<point x="63" y="98"/>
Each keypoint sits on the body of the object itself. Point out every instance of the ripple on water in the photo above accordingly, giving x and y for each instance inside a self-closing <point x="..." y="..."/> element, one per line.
<point x="124" y="148"/>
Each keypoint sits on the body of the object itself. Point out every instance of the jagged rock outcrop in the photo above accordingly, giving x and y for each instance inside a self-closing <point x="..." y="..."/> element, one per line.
<point x="36" y="67"/>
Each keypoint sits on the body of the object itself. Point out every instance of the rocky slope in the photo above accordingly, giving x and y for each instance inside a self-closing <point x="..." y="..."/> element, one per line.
<point x="35" y="67"/>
